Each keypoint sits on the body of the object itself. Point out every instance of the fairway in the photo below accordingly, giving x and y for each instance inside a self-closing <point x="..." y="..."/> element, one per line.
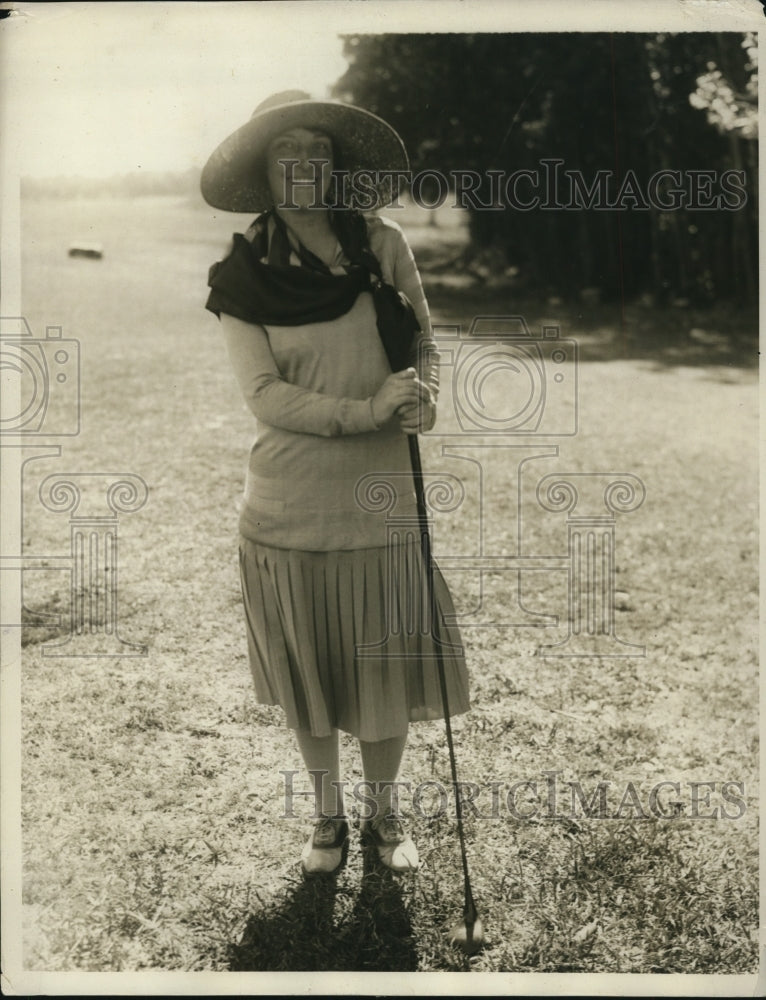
<point x="152" y="788"/>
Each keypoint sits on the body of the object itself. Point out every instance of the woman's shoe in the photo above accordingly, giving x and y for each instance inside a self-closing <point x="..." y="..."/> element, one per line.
<point x="325" y="850"/>
<point x="395" y="847"/>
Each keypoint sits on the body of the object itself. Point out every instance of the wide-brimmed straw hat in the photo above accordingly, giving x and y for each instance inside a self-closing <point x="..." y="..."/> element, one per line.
<point x="234" y="178"/>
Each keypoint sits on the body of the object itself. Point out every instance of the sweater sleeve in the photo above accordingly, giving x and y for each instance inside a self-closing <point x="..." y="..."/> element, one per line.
<point x="274" y="401"/>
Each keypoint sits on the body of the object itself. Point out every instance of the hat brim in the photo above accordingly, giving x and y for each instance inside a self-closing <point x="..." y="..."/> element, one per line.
<point x="234" y="178"/>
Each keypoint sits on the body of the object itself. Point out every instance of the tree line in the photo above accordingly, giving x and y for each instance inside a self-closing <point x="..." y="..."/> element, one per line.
<point x="127" y="185"/>
<point x="651" y="139"/>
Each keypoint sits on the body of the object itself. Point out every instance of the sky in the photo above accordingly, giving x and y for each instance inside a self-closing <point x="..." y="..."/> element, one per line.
<point x="107" y="88"/>
<point x="94" y="89"/>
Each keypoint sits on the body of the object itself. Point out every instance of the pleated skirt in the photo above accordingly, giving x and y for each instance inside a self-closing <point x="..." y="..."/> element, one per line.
<point x="344" y="640"/>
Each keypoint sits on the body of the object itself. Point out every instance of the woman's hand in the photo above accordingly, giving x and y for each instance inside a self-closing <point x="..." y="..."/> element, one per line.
<point x="401" y="391"/>
<point x="417" y="418"/>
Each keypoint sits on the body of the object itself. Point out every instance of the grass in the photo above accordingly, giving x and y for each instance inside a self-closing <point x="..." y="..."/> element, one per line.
<point x="151" y="785"/>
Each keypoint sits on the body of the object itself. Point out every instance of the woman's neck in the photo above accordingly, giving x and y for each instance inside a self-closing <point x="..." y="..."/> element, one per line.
<point x="312" y="228"/>
<point x="310" y="225"/>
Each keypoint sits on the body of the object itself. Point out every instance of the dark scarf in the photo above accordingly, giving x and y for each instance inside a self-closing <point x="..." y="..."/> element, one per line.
<point x="281" y="294"/>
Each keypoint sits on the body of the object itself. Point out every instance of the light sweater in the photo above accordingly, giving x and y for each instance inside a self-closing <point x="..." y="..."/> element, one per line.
<point x="317" y="447"/>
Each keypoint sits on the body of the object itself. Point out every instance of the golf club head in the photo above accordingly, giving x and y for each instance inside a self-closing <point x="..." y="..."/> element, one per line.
<point x="468" y="934"/>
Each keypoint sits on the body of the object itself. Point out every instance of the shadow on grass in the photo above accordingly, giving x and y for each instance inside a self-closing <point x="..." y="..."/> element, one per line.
<point x="315" y="928"/>
<point x="721" y="335"/>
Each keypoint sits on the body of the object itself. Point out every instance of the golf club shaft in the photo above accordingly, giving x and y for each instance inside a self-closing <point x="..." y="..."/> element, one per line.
<point x="425" y="544"/>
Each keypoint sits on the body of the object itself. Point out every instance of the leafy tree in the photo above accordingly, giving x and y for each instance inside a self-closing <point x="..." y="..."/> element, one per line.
<point x="619" y="103"/>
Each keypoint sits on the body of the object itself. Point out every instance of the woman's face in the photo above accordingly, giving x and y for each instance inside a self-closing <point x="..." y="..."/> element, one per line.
<point x="300" y="183"/>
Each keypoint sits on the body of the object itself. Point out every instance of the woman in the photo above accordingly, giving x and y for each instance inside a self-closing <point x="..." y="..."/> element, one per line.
<point x="328" y="588"/>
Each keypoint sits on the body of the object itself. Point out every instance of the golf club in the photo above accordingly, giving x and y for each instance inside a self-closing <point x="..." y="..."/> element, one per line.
<point x="468" y="933"/>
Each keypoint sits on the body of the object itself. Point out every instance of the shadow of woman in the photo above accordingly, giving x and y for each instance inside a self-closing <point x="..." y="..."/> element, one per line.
<point x="377" y="934"/>
<point x="302" y="932"/>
